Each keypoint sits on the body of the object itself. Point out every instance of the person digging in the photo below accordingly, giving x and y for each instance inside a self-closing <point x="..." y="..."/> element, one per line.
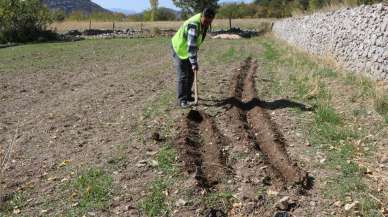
<point x="185" y="45"/>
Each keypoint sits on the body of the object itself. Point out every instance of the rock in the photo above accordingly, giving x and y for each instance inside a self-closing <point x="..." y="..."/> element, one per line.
<point x="384" y="159"/>
<point x="283" y="204"/>
<point x="338" y="204"/>
<point x="16" y="211"/>
<point x="350" y="206"/>
<point x="154" y="163"/>
<point x="141" y="163"/>
<point x="355" y="37"/>
<point x="180" y="203"/>
<point x="272" y="192"/>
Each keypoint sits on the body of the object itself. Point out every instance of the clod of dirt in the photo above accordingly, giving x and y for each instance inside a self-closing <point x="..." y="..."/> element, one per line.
<point x="195" y="116"/>
<point x="156" y="136"/>
<point x="214" y="213"/>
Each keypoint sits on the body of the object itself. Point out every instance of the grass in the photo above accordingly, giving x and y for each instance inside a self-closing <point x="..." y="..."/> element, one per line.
<point x="328" y="131"/>
<point x="326" y="114"/>
<point x="17" y="201"/>
<point x="229" y="54"/>
<point x="381" y="105"/>
<point x="326" y="73"/>
<point x="154" y="203"/>
<point x="154" y="109"/>
<point x="269" y="53"/>
<point x="90" y="190"/>
<point x="166" y="160"/>
<point x="219" y="200"/>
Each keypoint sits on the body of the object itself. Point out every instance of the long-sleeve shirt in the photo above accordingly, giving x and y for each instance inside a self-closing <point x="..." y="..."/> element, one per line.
<point x="192" y="44"/>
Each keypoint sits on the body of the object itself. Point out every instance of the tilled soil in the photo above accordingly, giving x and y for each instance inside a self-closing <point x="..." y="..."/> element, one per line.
<point x="257" y="157"/>
<point x="68" y="118"/>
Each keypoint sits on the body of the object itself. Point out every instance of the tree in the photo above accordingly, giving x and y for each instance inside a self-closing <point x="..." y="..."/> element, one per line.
<point x="236" y="10"/>
<point x="154" y="7"/>
<point x="195" y="6"/>
<point x="22" y="21"/>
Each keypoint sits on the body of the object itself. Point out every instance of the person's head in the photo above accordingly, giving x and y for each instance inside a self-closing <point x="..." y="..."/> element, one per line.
<point x="208" y="15"/>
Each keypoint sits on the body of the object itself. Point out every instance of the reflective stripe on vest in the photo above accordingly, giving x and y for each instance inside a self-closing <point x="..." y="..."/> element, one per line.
<point x="179" y="41"/>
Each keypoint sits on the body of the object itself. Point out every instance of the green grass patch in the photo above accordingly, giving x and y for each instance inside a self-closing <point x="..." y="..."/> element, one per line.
<point x="154" y="203"/>
<point x="324" y="134"/>
<point x="381" y="105"/>
<point x="153" y="109"/>
<point x="367" y="87"/>
<point x="350" y="79"/>
<point x="368" y="207"/>
<point x="229" y="54"/>
<point x="219" y="200"/>
<point x="340" y="155"/>
<point x="269" y="54"/>
<point x="17" y="201"/>
<point x="91" y="190"/>
<point x="300" y="85"/>
<point x="326" y="114"/>
<point x="166" y="160"/>
<point x="326" y="73"/>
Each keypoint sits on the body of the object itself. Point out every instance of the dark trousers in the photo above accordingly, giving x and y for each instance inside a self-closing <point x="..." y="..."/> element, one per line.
<point x="184" y="78"/>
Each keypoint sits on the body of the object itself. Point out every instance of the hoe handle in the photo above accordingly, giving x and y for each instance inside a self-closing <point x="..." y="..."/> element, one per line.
<point x="195" y="87"/>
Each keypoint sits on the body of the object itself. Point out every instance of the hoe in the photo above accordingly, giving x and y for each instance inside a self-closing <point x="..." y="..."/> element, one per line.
<point x="195" y="88"/>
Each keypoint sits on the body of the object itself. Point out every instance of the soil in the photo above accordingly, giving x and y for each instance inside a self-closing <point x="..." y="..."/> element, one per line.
<point x="246" y="130"/>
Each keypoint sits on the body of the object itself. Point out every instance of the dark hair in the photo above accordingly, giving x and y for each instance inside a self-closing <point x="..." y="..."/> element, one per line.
<point x="209" y="12"/>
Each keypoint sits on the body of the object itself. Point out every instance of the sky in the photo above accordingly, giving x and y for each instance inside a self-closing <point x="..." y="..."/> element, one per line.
<point x="140" y="5"/>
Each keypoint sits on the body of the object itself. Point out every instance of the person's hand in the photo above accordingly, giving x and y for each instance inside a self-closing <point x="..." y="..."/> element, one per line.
<point x="195" y="67"/>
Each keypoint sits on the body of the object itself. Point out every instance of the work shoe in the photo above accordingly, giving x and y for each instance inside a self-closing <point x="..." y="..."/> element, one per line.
<point x="184" y="104"/>
<point x="190" y="99"/>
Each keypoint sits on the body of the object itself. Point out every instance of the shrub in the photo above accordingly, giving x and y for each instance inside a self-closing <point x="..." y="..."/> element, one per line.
<point x="23" y="21"/>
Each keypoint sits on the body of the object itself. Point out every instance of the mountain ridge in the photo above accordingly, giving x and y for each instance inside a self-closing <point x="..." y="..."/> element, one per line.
<point x="68" y="6"/>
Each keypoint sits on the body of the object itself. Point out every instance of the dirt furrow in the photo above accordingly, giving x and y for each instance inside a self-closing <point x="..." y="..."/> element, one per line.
<point x="200" y="147"/>
<point x="270" y="140"/>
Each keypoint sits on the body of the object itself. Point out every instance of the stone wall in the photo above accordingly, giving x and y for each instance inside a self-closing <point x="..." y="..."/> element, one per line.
<point x="357" y="38"/>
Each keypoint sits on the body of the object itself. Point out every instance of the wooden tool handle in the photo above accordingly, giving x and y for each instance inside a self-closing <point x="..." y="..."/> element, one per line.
<point x="195" y="88"/>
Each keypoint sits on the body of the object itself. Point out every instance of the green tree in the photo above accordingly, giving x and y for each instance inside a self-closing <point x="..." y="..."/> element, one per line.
<point x="154" y="7"/>
<point x="195" y="6"/>
<point x="162" y="14"/>
<point x="236" y="10"/>
<point x="22" y="21"/>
